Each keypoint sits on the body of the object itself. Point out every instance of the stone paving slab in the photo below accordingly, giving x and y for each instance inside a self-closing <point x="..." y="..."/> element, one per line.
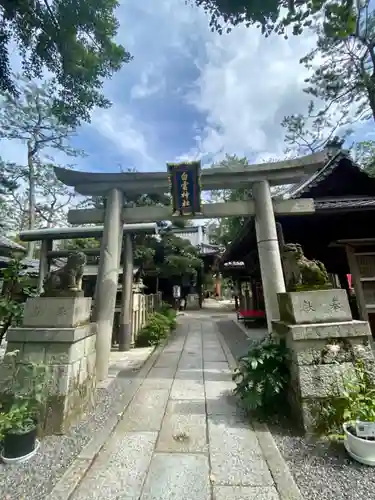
<point x="177" y="477"/>
<point x="187" y="389"/>
<point x="219" y="389"/>
<point x="214" y="355"/>
<point x="159" y="378"/>
<point x="245" y="493"/>
<point x="168" y="360"/>
<point x="129" y="360"/>
<point x="217" y="368"/>
<point x="183" y="430"/>
<point x="146" y="411"/>
<point x="220" y="399"/>
<point x="224" y="407"/>
<point x="210" y="344"/>
<point x="191" y="374"/>
<point x="120" y="469"/>
<point x="236" y="457"/>
<point x="190" y="362"/>
<point x="174" y="346"/>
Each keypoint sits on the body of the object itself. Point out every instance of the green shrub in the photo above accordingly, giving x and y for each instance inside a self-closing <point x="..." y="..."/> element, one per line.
<point x="354" y="401"/>
<point x="164" y="320"/>
<point x="262" y="376"/>
<point x="164" y="308"/>
<point x="156" y="329"/>
<point x="167" y="311"/>
<point x="24" y="394"/>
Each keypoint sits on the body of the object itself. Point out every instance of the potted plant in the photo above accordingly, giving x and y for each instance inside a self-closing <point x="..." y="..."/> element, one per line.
<point x="24" y="391"/>
<point x="359" y="415"/>
<point x="3" y="421"/>
<point x="20" y="433"/>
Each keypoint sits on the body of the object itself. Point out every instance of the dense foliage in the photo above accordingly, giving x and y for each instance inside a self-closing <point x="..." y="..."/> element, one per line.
<point x="342" y="86"/>
<point x="72" y="39"/>
<point x="276" y="15"/>
<point x="157" y="328"/>
<point x="224" y="230"/>
<point x="22" y="403"/>
<point x="16" y="287"/>
<point x="355" y="400"/>
<point x="40" y="199"/>
<point x="262" y="376"/>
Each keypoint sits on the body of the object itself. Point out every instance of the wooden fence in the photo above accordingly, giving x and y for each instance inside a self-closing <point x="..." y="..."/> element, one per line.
<point x="143" y="305"/>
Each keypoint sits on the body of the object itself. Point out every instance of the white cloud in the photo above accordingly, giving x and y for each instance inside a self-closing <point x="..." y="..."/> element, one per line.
<point x="246" y="87"/>
<point x="124" y="132"/>
<point x="171" y="23"/>
<point x="151" y="82"/>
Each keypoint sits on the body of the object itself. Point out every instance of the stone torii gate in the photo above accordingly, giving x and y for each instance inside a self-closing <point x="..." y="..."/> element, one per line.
<point x="260" y="177"/>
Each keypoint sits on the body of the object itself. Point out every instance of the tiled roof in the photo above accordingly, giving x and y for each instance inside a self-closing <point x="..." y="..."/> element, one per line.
<point x="31" y="265"/>
<point x="310" y="181"/>
<point x="7" y="243"/>
<point x="344" y="203"/>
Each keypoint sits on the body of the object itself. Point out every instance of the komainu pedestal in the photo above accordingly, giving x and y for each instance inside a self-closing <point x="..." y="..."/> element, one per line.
<point x="324" y="342"/>
<point x="57" y="331"/>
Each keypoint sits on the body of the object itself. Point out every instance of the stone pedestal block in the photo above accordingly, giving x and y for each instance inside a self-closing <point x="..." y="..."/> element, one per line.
<point x="321" y="331"/>
<point x="193" y="301"/>
<point x="64" y="312"/>
<point x="68" y="347"/>
<point x="322" y="352"/>
<point x="318" y="306"/>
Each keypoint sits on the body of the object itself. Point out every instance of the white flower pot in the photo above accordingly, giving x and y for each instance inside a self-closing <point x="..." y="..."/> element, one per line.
<point x="361" y="450"/>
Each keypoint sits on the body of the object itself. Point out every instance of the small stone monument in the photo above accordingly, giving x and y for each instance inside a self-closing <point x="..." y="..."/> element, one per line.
<point x="323" y="339"/>
<point x="57" y="332"/>
<point x="66" y="281"/>
<point x="300" y="272"/>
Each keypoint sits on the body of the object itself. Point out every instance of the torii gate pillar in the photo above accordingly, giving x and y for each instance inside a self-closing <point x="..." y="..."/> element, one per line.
<point x="107" y="279"/>
<point x="269" y="250"/>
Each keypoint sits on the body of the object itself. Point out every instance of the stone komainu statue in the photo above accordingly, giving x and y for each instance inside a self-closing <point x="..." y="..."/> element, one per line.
<point x="300" y="271"/>
<point x="66" y="281"/>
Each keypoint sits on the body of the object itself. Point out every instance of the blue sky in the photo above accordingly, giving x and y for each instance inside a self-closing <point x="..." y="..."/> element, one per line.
<point x="190" y="93"/>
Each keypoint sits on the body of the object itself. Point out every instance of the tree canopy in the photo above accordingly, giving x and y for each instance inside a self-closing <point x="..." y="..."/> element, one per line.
<point x="74" y="40"/>
<point x="224" y="230"/>
<point x="343" y="68"/>
<point x="168" y="256"/>
<point x="40" y="199"/>
<point x="275" y="15"/>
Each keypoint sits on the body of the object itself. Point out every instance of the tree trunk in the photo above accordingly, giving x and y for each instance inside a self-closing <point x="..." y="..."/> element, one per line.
<point x="32" y="197"/>
<point x="371" y="87"/>
<point x="23" y="222"/>
<point x="371" y="94"/>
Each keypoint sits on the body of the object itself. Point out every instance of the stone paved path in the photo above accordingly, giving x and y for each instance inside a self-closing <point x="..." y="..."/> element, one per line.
<point x="182" y="437"/>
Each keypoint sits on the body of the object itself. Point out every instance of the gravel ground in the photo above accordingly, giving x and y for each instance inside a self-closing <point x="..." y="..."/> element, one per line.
<point x="35" y="479"/>
<point x="3" y="347"/>
<point x="322" y="470"/>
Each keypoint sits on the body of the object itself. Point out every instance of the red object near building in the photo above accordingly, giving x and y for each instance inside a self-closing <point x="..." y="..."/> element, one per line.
<point x="349" y="277"/>
<point x="218" y="286"/>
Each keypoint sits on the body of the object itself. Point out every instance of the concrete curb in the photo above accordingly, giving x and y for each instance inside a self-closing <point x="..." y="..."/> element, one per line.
<point x="285" y="484"/>
<point x="248" y="332"/>
<point x="242" y="327"/>
<point x="69" y="482"/>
